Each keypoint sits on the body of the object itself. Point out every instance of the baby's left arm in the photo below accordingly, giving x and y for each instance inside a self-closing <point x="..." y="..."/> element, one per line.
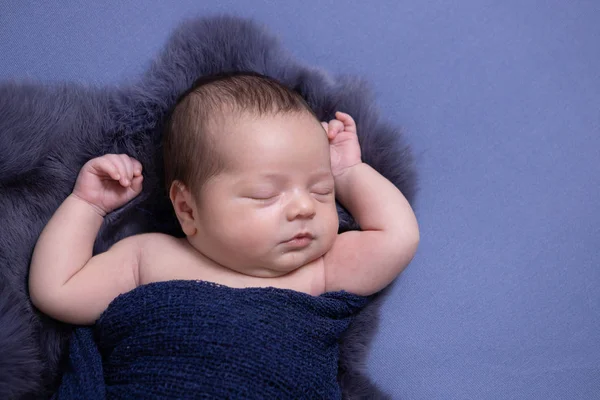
<point x="366" y="261"/>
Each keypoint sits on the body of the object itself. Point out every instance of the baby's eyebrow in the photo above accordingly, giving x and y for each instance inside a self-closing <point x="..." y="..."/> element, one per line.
<point x="271" y="175"/>
<point x="277" y="176"/>
<point x="322" y="174"/>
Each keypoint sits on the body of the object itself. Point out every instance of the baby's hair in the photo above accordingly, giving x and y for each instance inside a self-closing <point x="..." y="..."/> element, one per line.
<point x="189" y="140"/>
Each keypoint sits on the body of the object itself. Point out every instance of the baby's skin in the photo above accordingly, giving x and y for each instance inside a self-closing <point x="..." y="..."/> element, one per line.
<point x="267" y="220"/>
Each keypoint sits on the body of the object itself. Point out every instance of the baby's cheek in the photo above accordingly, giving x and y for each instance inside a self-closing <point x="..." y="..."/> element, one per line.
<point x="331" y="226"/>
<point x="253" y="233"/>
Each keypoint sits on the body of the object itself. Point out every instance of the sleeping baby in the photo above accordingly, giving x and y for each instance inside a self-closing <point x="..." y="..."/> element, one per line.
<point x="262" y="278"/>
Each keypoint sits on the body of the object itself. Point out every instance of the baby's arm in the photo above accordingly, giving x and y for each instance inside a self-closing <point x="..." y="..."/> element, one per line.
<point x="364" y="262"/>
<point x="65" y="281"/>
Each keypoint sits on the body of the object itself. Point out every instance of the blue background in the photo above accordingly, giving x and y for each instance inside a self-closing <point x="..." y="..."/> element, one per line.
<point x="501" y="103"/>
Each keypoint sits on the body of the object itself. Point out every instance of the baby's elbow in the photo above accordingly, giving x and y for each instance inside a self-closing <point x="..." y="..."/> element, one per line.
<point x="405" y="246"/>
<point x="36" y="296"/>
<point x="40" y="300"/>
<point x="405" y="233"/>
<point x="409" y="249"/>
<point x="413" y="240"/>
<point x="45" y="300"/>
<point x="413" y="245"/>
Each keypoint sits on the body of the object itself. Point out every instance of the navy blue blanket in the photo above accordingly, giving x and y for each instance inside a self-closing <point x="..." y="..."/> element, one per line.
<point x="194" y="339"/>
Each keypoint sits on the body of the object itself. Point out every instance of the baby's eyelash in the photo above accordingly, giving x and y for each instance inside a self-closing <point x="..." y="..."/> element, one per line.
<point x="322" y="192"/>
<point x="263" y="198"/>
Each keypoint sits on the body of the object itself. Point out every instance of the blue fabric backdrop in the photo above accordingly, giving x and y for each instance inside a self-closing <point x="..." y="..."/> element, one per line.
<point x="501" y="103"/>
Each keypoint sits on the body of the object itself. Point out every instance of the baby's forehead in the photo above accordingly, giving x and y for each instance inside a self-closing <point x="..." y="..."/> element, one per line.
<point x="245" y="139"/>
<point x="252" y="125"/>
<point x="242" y="179"/>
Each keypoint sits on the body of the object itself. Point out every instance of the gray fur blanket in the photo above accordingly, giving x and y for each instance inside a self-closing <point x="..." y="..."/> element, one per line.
<point x="47" y="132"/>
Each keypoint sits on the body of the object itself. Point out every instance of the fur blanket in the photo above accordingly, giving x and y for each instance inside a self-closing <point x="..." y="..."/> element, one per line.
<point x="47" y="132"/>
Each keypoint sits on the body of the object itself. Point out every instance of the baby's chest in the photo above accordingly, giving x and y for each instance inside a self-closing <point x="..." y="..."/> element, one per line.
<point x="170" y="262"/>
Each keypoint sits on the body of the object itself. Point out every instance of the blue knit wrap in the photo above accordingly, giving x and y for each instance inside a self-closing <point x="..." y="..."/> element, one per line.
<point x="195" y="339"/>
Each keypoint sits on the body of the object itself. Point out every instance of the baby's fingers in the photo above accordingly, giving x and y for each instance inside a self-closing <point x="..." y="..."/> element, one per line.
<point x="137" y="167"/>
<point x="105" y="166"/>
<point x="327" y="127"/>
<point x="335" y="127"/>
<point x="128" y="169"/>
<point x="136" y="184"/>
<point x="347" y="120"/>
<point x="120" y="162"/>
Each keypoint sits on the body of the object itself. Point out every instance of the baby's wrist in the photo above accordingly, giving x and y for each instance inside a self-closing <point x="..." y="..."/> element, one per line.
<point x="345" y="170"/>
<point x="98" y="210"/>
<point x="346" y="179"/>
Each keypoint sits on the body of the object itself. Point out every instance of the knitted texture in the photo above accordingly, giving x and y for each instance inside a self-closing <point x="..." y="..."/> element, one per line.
<point x="83" y="377"/>
<point x="194" y="339"/>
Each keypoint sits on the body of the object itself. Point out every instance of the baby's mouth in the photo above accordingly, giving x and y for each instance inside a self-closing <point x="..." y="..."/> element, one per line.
<point x="299" y="241"/>
<point x="302" y="235"/>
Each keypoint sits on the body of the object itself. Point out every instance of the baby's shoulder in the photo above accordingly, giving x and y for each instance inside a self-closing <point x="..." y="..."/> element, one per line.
<point x="154" y="242"/>
<point x="156" y="237"/>
<point x="164" y="257"/>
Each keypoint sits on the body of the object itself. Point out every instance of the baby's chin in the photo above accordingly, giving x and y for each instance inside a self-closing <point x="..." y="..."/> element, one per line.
<point x="271" y="270"/>
<point x="266" y="273"/>
<point x="285" y="265"/>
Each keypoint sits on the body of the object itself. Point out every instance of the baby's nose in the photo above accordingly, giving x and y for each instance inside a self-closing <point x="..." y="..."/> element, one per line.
<point x="301" y="206"/>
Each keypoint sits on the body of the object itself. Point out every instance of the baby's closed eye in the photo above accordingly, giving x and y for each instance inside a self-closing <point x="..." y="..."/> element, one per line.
<point x="262" y="196"/>
<point x="322" y="190"/>
<point x="261" y="193"/>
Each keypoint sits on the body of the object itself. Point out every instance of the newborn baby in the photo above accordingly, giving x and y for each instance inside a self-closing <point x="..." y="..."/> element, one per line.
<point x="253" y="177"/>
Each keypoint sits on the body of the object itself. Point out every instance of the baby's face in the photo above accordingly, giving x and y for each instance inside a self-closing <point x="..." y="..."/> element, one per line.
<point x="277" y="186"/>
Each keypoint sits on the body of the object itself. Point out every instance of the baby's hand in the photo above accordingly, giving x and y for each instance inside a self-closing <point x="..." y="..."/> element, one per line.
<point x="109" y="182"/>
<point x="343" y="142"/>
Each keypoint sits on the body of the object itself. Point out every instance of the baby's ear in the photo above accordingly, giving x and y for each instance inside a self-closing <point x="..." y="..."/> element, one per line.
<point x="183" y="203"/>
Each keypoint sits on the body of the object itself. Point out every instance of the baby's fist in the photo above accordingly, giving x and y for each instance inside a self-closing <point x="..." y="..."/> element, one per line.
<point x="109" y="182"/>
<point x="343" y="143"/>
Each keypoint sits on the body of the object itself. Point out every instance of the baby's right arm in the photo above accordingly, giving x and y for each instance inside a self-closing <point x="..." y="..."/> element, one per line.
<point x="65" y="281"/>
